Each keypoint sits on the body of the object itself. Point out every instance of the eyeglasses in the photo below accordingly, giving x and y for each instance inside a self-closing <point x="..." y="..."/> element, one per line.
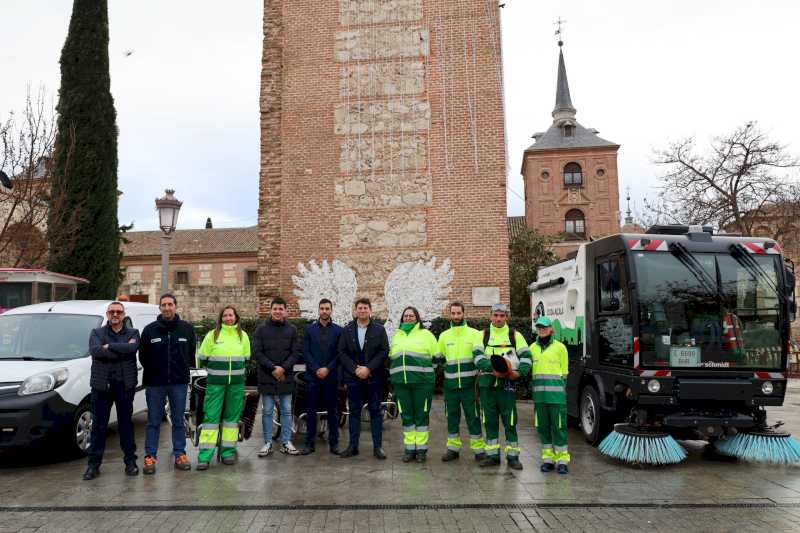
<point x="115" y="312"/>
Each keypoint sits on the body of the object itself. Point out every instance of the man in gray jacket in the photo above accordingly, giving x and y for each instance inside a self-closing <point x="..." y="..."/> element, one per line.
<point x="113" y="380"/>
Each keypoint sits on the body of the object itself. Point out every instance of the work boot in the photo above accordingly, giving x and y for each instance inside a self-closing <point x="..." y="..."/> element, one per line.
<point x="201" y="466"/>
<point x="480" y="456"/>
<point x="490" y="460"/>
<point x="131" y="469"/>
<point x="513" y="462"/>
<point x="149" y="465"/>
<point x="450" y="455"/>
<point x="229" y="460"/>
<point x="563" y="469"/>
<point x="409" y="456"/>
<point x="91" y="473"/>
<point x="182" y="463"/>
<point x="422" y="456"/>
<point x="547" y="467"/>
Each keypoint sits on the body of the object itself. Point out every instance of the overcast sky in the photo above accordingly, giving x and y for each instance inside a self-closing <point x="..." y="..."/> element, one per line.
<point x="642" y="73"/>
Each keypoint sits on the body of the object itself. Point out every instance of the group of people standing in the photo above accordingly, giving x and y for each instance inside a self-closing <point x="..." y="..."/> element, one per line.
<point x="359" y="355"/>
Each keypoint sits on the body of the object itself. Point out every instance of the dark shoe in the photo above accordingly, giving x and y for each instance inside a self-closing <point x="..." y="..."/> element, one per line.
<point x="307" y="450"/>
<point x="201" y="466"/>
<point x="409" y="456"/>
<point x="450" y="456"/>
<point x="514" y="464"/>
<point x="335" y="450"/>
<point x="422" y="456"/>
<point x="149" y="465"/>
<point x="480" y="456"/>
<point x="490" y="461"/>
<point x="563" y="469"/>
<point x="182" y="463"/>
<point x="547" y="467"/>
<point x="379" y="453"/>
<point x="349" y="452"/>
<point x="91" y="473"/>
<point x="131" y="469"/>
<point x="229" y="460"/>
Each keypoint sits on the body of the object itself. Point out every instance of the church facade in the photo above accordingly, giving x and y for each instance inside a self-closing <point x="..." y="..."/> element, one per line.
<point x="383" y="155"/>
<point x="570" y="176"/>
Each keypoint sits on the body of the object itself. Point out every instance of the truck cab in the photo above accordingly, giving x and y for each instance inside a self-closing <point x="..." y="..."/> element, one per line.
<point x="676" y="329"/>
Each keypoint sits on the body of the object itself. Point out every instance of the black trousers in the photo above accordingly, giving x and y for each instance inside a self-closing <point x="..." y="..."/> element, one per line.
<point x="102" y="401"/>
<point x="359" y="393"/>
<point x="325" y="394"/>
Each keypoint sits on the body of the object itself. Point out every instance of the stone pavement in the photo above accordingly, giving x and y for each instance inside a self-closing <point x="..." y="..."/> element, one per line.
<point x="324" y="492"/>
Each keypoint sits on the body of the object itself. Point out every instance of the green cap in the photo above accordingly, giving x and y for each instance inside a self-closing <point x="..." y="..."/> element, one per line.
<point x="543" y="322"/>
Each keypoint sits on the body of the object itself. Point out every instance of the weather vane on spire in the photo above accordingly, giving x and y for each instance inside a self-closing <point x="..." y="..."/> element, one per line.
<point x="559" y="23"/>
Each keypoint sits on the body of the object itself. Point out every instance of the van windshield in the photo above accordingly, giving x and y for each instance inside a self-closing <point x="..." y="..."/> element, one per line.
<point x="721" y="315"/>
<point x="50" y="336"/>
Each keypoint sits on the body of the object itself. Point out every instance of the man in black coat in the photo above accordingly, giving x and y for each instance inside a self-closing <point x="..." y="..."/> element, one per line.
<point x="363" y="350"/>
<point x="167" y="351"/>
<point x="276" y="349"/>
<point x="113" y="380"/>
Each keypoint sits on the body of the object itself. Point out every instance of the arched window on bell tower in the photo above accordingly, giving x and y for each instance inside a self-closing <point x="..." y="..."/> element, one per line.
<point x="575" y="223"/>
<point x="573" y="175"/>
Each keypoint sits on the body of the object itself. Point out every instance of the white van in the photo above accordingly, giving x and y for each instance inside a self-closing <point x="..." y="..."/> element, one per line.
<point x="45" y="367"/>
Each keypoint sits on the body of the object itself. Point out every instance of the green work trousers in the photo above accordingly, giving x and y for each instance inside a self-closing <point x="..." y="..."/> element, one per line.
<point x="498" y="403"/>
<point x="223" y="408"/>
<point x="550" y="420"/>
<point x="454" y="401"/>
<point x="414" y="404"/>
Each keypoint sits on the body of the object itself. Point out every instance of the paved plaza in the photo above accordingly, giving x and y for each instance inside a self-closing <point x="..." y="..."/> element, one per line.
<point x="324" y="492"/>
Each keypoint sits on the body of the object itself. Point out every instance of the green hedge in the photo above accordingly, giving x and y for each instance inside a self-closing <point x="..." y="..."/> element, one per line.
<point x="437" y="326"/>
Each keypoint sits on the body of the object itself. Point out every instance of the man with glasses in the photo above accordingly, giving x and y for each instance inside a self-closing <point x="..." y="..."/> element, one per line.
<point x="113" y="380"/>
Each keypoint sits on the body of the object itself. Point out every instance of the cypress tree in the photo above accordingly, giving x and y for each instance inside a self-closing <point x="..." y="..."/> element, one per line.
<point x="85" y="171"/>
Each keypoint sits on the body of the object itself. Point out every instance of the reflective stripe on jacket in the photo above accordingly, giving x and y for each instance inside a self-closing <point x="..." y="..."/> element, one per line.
<point x="226" y="358"/>
<point x="550" y="369"/>
<point x="411" y="356"/>
<point x="500" y="344"/>
<point x="456" y="346"/>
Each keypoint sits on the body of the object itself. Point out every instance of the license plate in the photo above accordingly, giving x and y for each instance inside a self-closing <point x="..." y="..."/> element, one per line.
<point x="684" y="356"/>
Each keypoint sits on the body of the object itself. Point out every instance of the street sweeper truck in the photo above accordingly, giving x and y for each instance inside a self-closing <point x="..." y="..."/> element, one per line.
<point x="677" y="333"/>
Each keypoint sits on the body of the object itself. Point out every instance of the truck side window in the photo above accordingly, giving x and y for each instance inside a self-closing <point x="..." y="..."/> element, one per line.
<point x="613" y="323"/>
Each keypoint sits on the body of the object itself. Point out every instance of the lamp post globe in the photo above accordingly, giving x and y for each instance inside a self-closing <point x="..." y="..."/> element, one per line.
<point x="168" y="208"/>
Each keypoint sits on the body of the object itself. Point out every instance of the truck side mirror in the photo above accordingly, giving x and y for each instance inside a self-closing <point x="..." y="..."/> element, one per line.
<point x="608" y="305"/>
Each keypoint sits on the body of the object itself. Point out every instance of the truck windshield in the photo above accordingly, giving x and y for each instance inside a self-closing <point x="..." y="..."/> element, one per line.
<point x="684" y="324"/>
<point x="50" y="336"/>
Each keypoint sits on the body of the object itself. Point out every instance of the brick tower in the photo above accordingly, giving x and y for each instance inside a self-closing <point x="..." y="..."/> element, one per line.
<point x="570" y="175"/>
<point x="383" y="144"/>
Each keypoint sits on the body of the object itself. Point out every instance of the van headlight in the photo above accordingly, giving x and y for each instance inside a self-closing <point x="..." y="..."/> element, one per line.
<point x="767" y="387"/>
<point x="44" y="382"/>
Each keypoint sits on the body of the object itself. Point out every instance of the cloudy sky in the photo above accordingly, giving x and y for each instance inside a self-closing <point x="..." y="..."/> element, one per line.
<point x="643" y="73"/>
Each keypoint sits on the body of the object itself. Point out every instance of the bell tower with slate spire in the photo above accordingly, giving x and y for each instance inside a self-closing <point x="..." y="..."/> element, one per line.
<point x="570" y="176"/>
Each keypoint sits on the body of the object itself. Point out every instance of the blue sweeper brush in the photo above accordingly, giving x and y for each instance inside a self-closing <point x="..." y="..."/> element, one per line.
<point x="762" y="445"/>
<point x="642" y="446"/>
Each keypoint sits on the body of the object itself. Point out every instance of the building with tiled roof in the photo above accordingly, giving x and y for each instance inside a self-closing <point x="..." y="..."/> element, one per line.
<point x="209" y="268"/>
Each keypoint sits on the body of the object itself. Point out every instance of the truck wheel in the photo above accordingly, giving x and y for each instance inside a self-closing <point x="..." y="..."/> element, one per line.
<point x="80" y="436"/>
<point x="593" y="420"/>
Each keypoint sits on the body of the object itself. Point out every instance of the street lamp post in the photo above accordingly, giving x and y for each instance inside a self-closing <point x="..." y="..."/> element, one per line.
<point x="168" y="207"/>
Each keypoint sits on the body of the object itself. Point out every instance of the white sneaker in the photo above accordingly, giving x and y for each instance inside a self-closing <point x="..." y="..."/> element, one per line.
<point x="265" y="450"/>
<point x="289" y="449"/>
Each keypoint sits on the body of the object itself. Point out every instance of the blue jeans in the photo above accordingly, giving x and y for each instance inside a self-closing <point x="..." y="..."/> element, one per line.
<point x="156" y="396"/>
<point x="268" y="403"/>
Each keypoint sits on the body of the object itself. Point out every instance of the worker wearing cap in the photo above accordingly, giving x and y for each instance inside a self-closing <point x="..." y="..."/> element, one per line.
<point x="549" y="381"/>
<point x="498" y="396"/>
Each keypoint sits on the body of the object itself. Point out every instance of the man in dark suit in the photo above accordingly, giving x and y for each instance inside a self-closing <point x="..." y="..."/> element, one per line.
<point x="321" y="355"/>
<point x="363" y="349"/>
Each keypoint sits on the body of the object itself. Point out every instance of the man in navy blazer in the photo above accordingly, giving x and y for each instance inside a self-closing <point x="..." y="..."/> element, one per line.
<point x="321" y="355"/>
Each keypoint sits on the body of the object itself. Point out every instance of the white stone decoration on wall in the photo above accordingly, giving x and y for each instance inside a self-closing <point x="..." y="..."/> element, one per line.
<point x="335" y="281"/>
<point x="418" y="284"/>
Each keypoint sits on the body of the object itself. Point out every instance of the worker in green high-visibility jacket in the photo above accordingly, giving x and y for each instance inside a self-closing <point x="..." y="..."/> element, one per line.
<point x="411" y="357"/>
<point x="224" y="354"/>
<point x="497" y="392"/>
<point x="549" y="382"/>
<point x="456" y="345"/>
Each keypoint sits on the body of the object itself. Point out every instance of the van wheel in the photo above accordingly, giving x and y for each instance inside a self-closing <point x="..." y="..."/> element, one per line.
<point x="81" y="429"/>
<point x="594" y="422"/>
